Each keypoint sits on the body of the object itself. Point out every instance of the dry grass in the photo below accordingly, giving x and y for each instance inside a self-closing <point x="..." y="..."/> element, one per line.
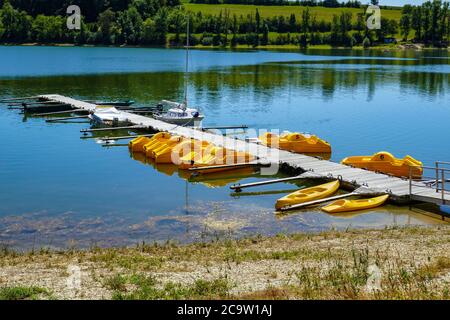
<point x="414" y="263"/>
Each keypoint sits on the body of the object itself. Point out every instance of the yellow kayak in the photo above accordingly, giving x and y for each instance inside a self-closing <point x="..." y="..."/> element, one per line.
<point x="385" y="162"/>
<point x="345" y="205"/>
<point x="308" y="194"/>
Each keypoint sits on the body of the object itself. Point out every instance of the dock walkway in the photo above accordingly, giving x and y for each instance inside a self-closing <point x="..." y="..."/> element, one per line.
<point x="400" y="189"/>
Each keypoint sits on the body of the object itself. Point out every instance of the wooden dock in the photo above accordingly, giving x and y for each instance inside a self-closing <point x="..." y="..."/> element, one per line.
<point x="401" y="190"/>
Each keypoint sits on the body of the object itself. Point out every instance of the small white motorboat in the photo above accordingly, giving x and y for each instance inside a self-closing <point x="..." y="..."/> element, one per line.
<point x="180" y="115"/>
<point x="108" y="116"/>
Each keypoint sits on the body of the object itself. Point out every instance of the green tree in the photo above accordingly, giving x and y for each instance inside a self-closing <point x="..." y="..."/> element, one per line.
<point x="149" y="32"/>
<point x="335" y="29"/>
<point x="426" y="18"/>
<point x="366" y="42"/>
<point x="435" y="19"/>
<point x="161" y="26"/>
<point x="107" y="26"/>
<point x="226" y="26"/>
<point x="389" y="27"/>
<point x="258" y="21"/>
<point x="303" y="41"/>
<point x="306" y="21"/>
<point x="48" y="29"/>
<point x="131" y="24"/>
<point x="345" y="25"/>
<point x="147" y="8"/>
<point x="416" y="22"/>
<point x="292" y="23"/>
<point x="234" y="30"/>
<point x="177" y="23"/>
<point x="265" y="35"/>
<point x="405" y="26"/>
<point x="16" y="24"/>
<point x="2" y="29"/>
<point x="445" y="21"/>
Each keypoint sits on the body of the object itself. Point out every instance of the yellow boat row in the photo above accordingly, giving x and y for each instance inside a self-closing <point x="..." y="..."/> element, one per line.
<point x="186" y="153"/>
<point x="325" y="190"/>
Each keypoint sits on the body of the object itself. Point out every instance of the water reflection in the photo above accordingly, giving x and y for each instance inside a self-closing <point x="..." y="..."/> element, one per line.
<point x="210" y="180"/>
<point x="57" y="188"/>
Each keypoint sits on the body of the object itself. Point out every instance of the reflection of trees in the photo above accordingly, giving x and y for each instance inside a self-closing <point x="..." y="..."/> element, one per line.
<point x="430" y="84"/>
<point x="262" y="83"/>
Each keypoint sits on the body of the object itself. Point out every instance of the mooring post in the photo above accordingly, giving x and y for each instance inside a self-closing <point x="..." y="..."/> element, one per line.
<point x="410" y="183"/>
<point x="437" y="176"/>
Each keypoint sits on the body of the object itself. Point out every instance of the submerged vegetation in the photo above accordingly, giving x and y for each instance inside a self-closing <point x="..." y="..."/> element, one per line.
<point x="394" y="263"/>
<point x="230" y="24"/>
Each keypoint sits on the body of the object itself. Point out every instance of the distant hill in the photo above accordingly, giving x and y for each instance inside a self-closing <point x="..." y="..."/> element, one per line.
<point x="322" y="13"/>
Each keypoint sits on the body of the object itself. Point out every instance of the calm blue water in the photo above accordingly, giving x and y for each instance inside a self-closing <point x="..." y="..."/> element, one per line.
<point x="55" y="187"/>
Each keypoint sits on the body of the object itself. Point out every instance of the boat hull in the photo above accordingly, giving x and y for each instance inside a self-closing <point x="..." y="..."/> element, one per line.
<point x="181" y="121"/>
<point x="47" y="108"/>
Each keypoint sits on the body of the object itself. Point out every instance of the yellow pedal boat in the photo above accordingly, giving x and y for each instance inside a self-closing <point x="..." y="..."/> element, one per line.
<point x="137" y="144"/>
<point x="157" y="141"/>
<point x="163" y="153"/>
<point x="217" y="156"/>
<point x="190" y="151"/>
<point x="385" y="162"/>
<point x="345" y="205"/>
<point x="308" y="194"/>
<point x="296" y="142"/>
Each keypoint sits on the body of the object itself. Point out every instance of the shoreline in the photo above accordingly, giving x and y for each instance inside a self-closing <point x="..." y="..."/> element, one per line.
<point x="393" y="48"/>
<point x="413" y="263"/>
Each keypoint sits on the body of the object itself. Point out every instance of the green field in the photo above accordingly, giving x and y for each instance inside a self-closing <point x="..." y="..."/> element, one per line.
<point x="270" y="11"/>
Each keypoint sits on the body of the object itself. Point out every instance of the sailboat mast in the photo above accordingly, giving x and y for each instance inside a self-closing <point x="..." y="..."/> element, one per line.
<point x="187" y="64"/>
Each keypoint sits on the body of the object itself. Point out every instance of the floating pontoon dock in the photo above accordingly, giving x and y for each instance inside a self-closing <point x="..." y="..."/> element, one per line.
<point x="401" y="190"/>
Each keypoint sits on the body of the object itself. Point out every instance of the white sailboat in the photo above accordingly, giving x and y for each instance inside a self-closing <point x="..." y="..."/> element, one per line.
<point x="180" y="113"/>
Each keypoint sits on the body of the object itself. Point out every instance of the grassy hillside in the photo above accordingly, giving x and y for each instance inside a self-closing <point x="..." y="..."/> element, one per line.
<point x="269" y="11"/>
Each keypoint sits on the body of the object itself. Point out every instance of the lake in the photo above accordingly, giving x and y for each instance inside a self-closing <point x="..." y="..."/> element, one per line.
<point x="58" y="190"/>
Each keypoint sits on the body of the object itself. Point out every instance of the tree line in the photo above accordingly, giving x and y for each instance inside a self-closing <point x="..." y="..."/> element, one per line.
<point x="162" y="22"/>
<point x="430" y="23"/>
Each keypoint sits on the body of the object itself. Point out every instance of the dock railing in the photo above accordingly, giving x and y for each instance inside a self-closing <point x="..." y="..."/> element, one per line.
<point x="441" y="175"/>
